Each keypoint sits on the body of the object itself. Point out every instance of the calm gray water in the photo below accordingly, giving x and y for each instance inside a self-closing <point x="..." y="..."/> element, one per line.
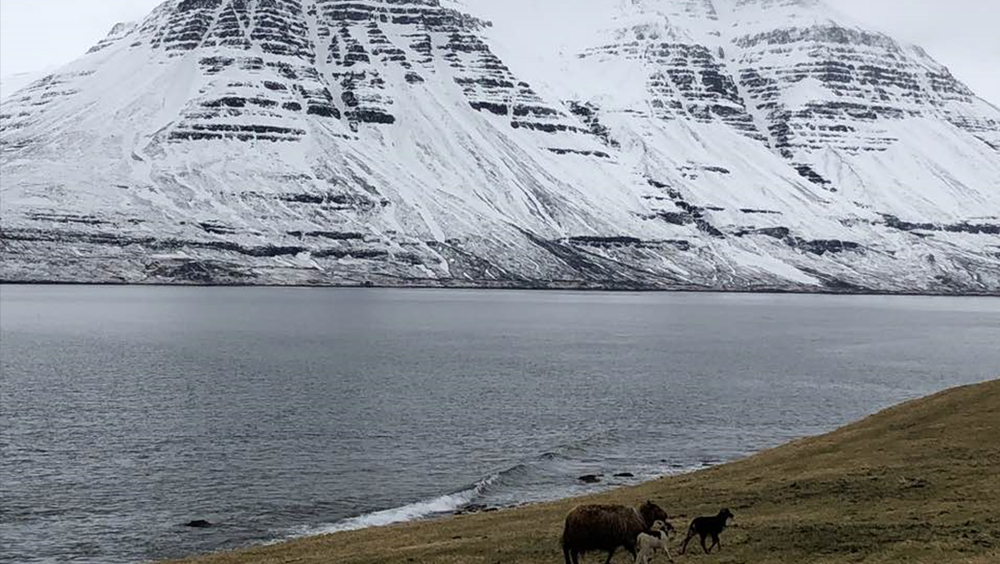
<point x="127" y="412"/>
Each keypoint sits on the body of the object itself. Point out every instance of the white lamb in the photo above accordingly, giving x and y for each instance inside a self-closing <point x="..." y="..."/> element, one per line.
<point x="647" y="543"/>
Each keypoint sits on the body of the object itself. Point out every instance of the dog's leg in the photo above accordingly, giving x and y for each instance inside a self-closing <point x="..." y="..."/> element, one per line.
<point x="715" y="542"/>
<point x="703" y="544"/>
<point x="684" y="546"/>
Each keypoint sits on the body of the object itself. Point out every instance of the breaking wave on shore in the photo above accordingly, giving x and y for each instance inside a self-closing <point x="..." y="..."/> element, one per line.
<point x="547" y="477"/>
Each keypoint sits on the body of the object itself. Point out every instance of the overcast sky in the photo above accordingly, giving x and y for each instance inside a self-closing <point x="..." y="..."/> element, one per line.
<point x="38" y="35"/>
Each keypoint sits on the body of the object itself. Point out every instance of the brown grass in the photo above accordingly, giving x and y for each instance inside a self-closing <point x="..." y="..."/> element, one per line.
<point x="918" y="483"/>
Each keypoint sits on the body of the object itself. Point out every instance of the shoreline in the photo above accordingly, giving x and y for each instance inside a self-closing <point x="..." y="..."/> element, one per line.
<point x="346" y="524"/>
<point x="912" y="483"/>
<point x="581" y="288"/>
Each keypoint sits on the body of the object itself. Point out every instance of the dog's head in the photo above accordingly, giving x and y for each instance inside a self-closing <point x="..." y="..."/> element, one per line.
<point x="726" y="514"/>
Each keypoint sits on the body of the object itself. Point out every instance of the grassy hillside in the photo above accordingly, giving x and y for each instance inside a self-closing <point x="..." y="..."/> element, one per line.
<point x="918" y="483"/>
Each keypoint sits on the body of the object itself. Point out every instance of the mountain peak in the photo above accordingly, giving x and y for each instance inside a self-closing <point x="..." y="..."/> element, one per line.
<point x="118" y="32"/>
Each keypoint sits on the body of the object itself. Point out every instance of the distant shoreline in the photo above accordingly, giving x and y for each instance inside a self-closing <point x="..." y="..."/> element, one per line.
<point x="555" y="287"/>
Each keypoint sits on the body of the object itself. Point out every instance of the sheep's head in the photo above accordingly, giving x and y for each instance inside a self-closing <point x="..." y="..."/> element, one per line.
<point x="651" y="513"/>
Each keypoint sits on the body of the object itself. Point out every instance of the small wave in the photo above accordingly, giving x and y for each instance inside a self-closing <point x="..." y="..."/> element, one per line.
<point x="511" y="475"/>
<point x="582" y="445"/>
<point x="442" y="505"/>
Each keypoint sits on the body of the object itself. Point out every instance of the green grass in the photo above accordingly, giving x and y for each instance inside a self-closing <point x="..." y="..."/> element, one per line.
<point x="918" y="483"/>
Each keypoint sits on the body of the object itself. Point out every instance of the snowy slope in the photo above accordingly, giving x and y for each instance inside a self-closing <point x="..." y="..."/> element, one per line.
<point x="11" y="83"/>
<point x="694" y="144"/>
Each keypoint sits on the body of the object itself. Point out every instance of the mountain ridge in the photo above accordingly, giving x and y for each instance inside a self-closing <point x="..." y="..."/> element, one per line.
<point x="384" y="142"/>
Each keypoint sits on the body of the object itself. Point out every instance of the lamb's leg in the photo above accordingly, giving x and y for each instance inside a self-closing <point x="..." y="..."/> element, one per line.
<point x="666" y="548"/>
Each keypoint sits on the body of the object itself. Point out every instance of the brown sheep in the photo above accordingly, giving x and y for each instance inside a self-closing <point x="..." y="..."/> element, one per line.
<point x="605" y="528"/>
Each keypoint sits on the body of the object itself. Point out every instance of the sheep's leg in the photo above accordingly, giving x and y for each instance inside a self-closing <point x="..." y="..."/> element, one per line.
<point x="576" y="557"/>
<point x="611" y="554"/>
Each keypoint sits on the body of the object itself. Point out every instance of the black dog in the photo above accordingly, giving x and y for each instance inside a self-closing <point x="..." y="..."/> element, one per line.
<point x="705" y="526"/>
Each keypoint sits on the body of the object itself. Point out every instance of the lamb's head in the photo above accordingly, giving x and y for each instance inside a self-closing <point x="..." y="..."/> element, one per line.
<point x="661" y="526"/>
<point x="652" y="513"/>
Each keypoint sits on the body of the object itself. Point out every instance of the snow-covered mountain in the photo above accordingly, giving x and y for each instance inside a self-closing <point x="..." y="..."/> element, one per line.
<point x="721" y="144"/>
<point x="11" y="83"/>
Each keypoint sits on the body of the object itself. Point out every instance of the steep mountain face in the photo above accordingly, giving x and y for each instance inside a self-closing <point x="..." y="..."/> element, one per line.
<point x="790" y="133"/>
<point x="835" y="100"/>
<point x="738" y="144"/>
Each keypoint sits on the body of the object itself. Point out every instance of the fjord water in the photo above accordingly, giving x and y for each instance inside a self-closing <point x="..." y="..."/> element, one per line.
<point x="128" y="411"/>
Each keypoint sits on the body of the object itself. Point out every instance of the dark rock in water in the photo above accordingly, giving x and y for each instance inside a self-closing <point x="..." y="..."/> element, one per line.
<point x="590" y="478"/>
<point x="198" y="524"/>
<point x="476" y="508"/>
<point x="625" y="475"/>
<point x="470" y="509"/>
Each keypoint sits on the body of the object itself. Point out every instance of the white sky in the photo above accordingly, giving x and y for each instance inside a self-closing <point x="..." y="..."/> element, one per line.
<point x="38" y="35"/>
